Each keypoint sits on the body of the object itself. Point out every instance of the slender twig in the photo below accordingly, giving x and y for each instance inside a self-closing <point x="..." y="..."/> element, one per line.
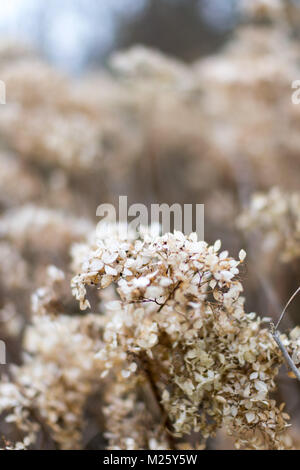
<point x="285" y="308"/>
<point x="285" y="354"/>
<point x="276" y="336"/>
<point x="169" y="296"/>
<point x="141" y="301"/>
<point x="165" y="422"/>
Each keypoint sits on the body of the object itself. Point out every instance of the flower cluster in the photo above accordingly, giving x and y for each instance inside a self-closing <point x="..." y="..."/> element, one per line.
<point x="46" y="397"/>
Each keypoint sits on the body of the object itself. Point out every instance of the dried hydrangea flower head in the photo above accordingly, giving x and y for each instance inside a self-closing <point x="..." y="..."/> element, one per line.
<point x="180" y="329"/>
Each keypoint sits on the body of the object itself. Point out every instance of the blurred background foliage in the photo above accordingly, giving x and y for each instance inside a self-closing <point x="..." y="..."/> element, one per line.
<point x="202" y="113"/>
<point x="79" y="34"/>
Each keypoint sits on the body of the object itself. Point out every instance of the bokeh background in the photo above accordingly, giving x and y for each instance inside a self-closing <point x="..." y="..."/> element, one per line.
<point x="77" y="35"/>
<point x="183" y="101"/>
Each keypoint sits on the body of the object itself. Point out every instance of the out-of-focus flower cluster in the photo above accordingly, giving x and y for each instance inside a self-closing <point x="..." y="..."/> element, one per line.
<point x="46" y="396"/>
<point x="276" y="214"/>
<point x="119" y="130"/>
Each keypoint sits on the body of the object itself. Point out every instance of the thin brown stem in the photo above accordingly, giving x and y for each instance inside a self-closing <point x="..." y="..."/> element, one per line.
<point x="275" y="334"/>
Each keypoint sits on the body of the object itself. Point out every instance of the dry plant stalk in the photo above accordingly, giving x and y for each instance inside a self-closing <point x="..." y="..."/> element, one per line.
<point x="275" y="334"/>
